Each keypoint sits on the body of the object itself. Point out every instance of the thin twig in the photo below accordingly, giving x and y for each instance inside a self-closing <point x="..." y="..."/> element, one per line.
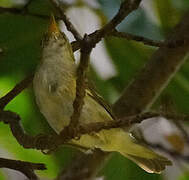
<point x="27" y="168"/>
<point x="80" y="82"/>
<point x="75" y="45"/>
<point x="15" y="91"/>
<point x="126" y="122"/>
<point x="126" y="7"/>
<point x="67" y="22"/>
<point x="130" y="36"/>
<point x="147" y="41"/>
<point x="17" y="130"/>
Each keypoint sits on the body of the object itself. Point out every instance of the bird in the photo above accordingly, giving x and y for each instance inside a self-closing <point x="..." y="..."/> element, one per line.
<point x="54" y="87"/>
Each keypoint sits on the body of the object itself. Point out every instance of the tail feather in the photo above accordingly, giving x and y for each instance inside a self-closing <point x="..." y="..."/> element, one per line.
<point x="126" y="145"/>
<point x="120" y="141"/>
<point x="151" y="165"/>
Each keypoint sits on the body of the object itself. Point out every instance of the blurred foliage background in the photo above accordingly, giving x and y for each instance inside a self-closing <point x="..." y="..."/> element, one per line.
<point x="20" y="37"/>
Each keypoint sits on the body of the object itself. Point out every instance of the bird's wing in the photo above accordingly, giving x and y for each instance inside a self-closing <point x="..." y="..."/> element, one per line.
<point x="93" y="94"/>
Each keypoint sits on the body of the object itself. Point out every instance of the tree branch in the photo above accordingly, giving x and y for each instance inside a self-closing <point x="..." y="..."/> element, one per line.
<point x="156" y="74"/>
<point x="80" y="83"/>
<point x="130" y="36"/>
<point x="133" y="99"/>
<point x="27" y="168"/>
<point x="126" y="7"/>
<point x="15" y="91"/>
<point x="50" y="142"/>
<point x="145" y="87"/>
<point x="68" y="24"/>
<point x="44" y="142"/>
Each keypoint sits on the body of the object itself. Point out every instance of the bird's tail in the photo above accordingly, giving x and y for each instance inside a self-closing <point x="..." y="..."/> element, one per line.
<point x="155" y="165"/>
<point x="122" y="142"/>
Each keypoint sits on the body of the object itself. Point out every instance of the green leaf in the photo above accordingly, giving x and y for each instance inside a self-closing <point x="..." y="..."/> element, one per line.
<point x="128" y="58"/>
<point x="2" y="177"/>
<point x="20" y="43"/>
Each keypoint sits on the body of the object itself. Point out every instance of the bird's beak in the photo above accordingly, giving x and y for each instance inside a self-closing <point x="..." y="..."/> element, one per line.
<point x="53" y="29"/>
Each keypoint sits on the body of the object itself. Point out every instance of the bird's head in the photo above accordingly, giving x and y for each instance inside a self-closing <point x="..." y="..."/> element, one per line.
<point x="55" y="43"/>
<point x="54" y="35"/>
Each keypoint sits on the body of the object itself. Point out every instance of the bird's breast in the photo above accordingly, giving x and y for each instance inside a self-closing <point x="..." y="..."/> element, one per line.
<point x="54" y="87"/>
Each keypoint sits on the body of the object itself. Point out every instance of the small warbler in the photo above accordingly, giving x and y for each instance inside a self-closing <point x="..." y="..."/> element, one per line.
<point x="55" y="89"/>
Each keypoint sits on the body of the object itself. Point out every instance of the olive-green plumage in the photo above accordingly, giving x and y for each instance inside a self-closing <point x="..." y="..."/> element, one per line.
<point x="55" y="88"/>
